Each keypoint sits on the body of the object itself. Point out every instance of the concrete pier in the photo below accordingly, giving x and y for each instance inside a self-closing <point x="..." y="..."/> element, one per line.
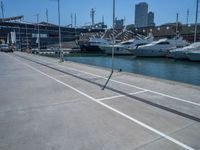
<point x="49" y="105"/>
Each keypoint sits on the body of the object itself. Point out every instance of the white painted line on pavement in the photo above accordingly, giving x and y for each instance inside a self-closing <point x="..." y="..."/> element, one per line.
<point x="111" y="108"/>
<point x="122" y="95"/>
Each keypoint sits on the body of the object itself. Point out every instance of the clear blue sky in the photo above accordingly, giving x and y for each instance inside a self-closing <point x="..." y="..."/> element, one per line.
<point x="165" y="10"/>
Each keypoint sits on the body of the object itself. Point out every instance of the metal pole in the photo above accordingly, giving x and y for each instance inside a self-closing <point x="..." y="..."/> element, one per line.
<point x="196" y="18"/>
<point x="38" y="31"/>
<point x="60" y="45"/>
<point x="47" y="15"/>
<point x="20" y="44"/>
<point x="26" y="37"/>
<point x="113" y="48"/>
<point x="2" y="9"/>
<point x="75" y="25"/>
<point x="176" y="24"/>
<point x="188" y="13"/>
<point x="71" y="20"/>
<point x="75" y="20"/>
<point x="113" y="42"/>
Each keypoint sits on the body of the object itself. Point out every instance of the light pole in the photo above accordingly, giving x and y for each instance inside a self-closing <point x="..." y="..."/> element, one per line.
<point x="26" y="37"/>
<point x="2" y="10"/>
<point x="59" y="32"/>
<point x="38" y="34"/>
<point x="47" y="15"/>
<point x="113" y="42"/>
<point x="60" y="44"/>
<point x="113" y="48"/>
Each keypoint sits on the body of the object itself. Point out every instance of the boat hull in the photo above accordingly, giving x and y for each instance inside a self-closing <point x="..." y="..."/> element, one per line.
<point x="117" y="50"/>
<point x="178" y="55"/>
<point x="91" y="49"/>
<point x="193" y="56"/>
<point x="149" y="53"/>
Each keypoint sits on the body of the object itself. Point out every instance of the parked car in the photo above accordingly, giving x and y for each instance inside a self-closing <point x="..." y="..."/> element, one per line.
<point x="6" y="48"/>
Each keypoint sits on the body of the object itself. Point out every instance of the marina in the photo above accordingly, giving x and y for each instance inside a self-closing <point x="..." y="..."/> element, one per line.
<point x="99" y="75"/>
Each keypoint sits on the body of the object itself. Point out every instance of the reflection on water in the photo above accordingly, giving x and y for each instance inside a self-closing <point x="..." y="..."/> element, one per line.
<point x="182" y="71"/>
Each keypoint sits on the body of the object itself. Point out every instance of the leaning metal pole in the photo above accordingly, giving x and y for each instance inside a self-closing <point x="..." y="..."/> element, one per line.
<point x="196" y="18"/>
<point x="113" y="49"/>
<point x="60" y="45"/>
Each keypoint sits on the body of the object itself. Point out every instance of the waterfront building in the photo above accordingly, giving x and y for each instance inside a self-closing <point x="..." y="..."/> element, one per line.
<point x="27" y="33"/>
<point x="141" y="14"/>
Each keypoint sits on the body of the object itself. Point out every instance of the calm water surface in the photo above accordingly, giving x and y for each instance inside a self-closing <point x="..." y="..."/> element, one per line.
<point x="181" y="71"/>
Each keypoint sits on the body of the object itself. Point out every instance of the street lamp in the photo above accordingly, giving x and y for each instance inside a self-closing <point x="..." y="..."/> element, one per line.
<point x="60" y="44"/>
<point x="38" y="34"/>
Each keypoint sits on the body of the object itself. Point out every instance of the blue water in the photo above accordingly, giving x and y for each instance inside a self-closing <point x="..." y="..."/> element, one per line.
<point x="181" y="71"/>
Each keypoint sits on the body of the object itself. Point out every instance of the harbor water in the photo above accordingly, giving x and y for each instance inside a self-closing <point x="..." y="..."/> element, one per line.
<point x="164" y="68"/>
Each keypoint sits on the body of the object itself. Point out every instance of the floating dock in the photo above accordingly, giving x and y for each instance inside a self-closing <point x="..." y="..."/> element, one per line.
<point x="48" y="105"/>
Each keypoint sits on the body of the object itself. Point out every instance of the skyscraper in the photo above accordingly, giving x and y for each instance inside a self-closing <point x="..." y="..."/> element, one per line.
<point x="141" y="14"/>
<point x="151" y="19"/>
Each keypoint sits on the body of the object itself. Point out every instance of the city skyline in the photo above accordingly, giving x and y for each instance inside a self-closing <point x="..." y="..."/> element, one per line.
<point x="164" y="11"/>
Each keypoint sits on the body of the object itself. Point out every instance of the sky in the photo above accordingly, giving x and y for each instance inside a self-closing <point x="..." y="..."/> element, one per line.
<point x="165" y="10"/>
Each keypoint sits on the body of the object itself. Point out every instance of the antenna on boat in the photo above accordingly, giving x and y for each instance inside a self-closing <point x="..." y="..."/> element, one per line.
<point x="113" y="50"/>
<point x="196" y="18"/>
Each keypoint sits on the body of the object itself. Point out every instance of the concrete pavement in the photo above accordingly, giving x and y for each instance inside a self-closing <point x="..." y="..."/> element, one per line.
<point x="47" y="105"/>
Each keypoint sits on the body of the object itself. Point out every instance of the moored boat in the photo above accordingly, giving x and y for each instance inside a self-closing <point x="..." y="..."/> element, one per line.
<point x="158" y="48"/>
<point x="94" y="44"/>
<point x="181" y="53"/>
<point x="122" y="48"/>
<point x="194" y="55"/>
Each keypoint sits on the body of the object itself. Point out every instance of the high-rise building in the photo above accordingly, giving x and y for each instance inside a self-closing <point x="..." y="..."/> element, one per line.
<point x="141" y="14"/>
<point x="151" y="19"/>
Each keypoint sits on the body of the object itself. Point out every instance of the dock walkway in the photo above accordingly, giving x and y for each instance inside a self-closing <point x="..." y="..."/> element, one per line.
<point x="49" y="105"/>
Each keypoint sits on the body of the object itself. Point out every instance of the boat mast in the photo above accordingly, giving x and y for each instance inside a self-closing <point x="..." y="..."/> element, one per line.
<point x="187" y="18"/>
<point x="196" y="18"/>
<point x="47" y="15"/>
<point x="176" y="24"/>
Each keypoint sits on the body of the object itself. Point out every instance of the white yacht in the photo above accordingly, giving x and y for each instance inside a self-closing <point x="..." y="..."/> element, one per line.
<point x="94" y="44"/>
<point x="180" y="53"/>
<point x="122" y="48"/>
<point x="159" y="48"/>
<point x="194" y="55"/>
